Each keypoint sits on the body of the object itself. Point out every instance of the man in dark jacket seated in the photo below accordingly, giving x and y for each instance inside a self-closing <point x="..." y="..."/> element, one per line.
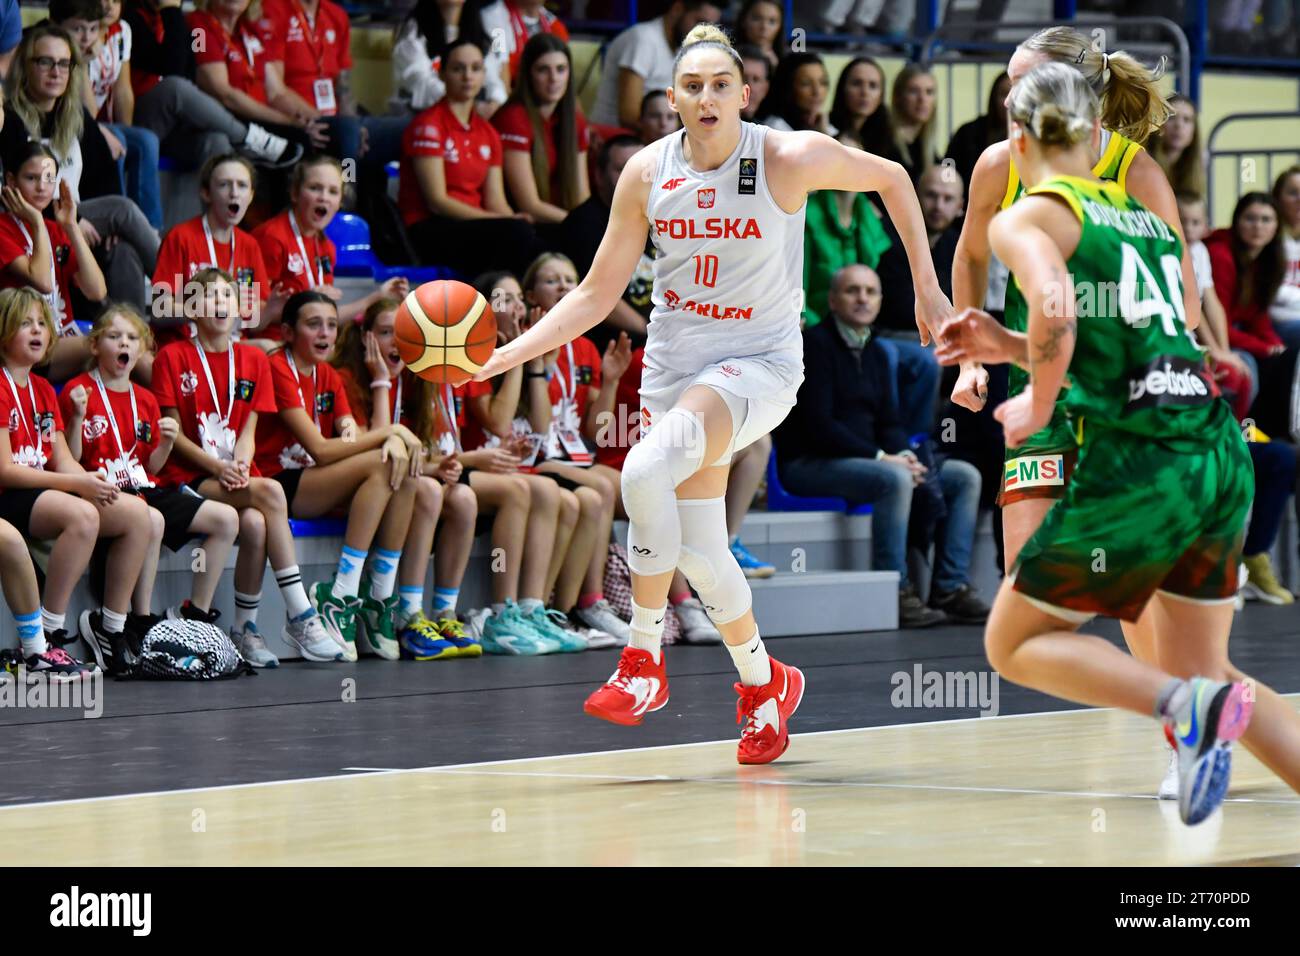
<point x="844" y="440"/>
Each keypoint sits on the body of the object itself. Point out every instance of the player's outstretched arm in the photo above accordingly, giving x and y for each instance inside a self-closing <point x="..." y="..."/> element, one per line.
<point x="823" y="163"/>
<point x="601" y="288"/>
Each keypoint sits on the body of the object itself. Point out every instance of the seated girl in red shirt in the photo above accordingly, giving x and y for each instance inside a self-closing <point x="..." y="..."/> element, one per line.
<point x="216" y="389"/>
<point x="48" y="495"/>
<point x="312" y="447"/>
<point x="298" y="255"/>
<point x="49" y="255"/>
<point x="116" y="426"/>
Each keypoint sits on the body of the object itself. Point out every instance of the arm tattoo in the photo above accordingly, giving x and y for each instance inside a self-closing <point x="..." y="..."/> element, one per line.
<point x="1051" y="349"/>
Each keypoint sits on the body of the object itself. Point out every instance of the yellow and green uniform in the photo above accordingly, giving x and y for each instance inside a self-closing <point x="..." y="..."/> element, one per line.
<point x="1039" y="468"/>
<point x="1164" y="481"/>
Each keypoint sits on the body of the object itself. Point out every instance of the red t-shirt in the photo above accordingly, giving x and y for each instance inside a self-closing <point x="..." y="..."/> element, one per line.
<point x="625" y="430"/>
<point x="547" y="23"/>
<point x="283" y="257"/>
<point x="582" y="381"/>
<point x="468" y="426"/>
<point x="99" y="447"/>
<point x="358" y="399"/>
<point x="14" y="244"/>
<point x="516" y="132"/>
<point x="277" y="449"/>
<point x="245" y="54"/>
<point x="184" y="251"/>
<point x="467" y="153"/>
<point x="308" y="53"/>
<point x="179" y="382"/>
<point x="33" y="417"/>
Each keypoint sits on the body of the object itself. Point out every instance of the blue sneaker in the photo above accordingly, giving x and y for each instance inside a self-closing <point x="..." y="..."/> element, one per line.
<point x="752" y="567"/>
<point x="1215" y="715"/>
<point x="421" y="641"/>
<point x="466" y="644"/>
<point x="509" y="633"/>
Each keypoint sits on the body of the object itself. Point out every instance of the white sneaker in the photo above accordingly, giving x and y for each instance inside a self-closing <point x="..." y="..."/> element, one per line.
<point x="600" y="617"/>
<point x="307" y="633"/>
<point x="696" y="626"/>
<point x="1169" y="786"/>
<point x="252" y="646"/>
<point x="474" y="621"/>
<point x="262" y="144"/>
<point x="597" y="640"/>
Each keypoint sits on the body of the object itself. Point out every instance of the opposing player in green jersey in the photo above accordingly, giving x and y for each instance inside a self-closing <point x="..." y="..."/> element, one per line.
<point x="1155" y="510"/>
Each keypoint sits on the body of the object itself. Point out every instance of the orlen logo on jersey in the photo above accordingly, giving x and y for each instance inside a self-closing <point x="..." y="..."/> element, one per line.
<point x="671" y="184"/>
<point x="708" y="228"/>
<point x="704" y="197"/>
<point x="673" y="301"/>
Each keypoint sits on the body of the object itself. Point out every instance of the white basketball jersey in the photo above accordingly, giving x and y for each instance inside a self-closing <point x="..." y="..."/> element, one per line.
<point x="728" y="270"/>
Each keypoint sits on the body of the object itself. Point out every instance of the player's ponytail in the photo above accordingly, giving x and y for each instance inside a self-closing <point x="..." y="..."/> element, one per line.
<point x="1131" y="103"/>
<point x="1055" y="105"/>
<point x="709" y="36"/>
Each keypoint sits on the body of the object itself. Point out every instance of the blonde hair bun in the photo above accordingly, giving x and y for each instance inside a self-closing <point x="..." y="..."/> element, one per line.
<point x="706" y="33"/>
<point x="1053" y="126"/>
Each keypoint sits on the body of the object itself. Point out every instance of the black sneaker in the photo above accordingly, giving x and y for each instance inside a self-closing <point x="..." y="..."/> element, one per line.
<point x="962" y="605"/>
<point x="113" y="652"/>
<point x="141" y="624"/>
<point x="59" y="638"/>
<point x="56" y="665"/>
<point x="188" y="612"/>
<point x="913" y="613"/>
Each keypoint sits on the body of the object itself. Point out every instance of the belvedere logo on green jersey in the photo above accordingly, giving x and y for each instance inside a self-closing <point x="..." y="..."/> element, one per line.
<point x="1170" y="380"/>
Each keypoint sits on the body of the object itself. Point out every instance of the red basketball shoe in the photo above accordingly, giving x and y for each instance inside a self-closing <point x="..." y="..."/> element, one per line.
<point x="765" y="712"/>
<point x="638" y="687"/>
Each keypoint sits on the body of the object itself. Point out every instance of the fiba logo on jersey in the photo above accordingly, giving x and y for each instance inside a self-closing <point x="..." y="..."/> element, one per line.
<point x="704" y="198"/>
<point x="748" y="176"/>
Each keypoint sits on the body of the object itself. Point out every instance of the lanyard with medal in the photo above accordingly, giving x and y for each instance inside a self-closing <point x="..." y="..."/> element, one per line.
<point x="126" y="455"/>
<point x="397" y="402"/>
<point x="33" y="435"/>
<point x="219" y="442"/>
<point x="212" y="249"/>
<point x="52" y="297"/>
<point x="319" y="275"/>
<point x="293" y="367"/>
<point x="449" y="442"/>
<point x="567" y="424"/>
<point x="322" y="86"/>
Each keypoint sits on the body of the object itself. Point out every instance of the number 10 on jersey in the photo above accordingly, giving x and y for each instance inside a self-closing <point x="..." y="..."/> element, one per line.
<point x="706" y="270"/>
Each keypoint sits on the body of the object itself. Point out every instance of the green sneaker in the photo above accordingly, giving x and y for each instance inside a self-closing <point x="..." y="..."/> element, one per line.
<point x="339" y="615"/>
<point x="379" y="626"/>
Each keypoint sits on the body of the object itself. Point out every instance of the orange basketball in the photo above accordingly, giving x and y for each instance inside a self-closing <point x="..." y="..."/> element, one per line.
<point x="445" y="331"/>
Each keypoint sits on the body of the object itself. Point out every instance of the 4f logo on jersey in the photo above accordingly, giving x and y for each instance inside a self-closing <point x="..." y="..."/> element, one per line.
<point x="704" y="198"/>
<point x="748" y="176"/>
<point x="325" y="402"/>
<point x="672" y="184"/>
<point x="244" y="390"/>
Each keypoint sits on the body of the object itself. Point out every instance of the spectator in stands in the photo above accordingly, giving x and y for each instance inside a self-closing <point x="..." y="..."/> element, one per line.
<point x="1275" y="482"/>
<point x="309" y="59"/>
<point x="1285" y="309"/>
<point x="844" y="440"/>
<point x="453" y="197"/>
<point x="516" y="22"/>
<point x="761" y="23"/>
<point x="190" y="124"/>
<point x="971" y="139"/>
<point x="1249" y="264"/>
<point x="45" y="104"/>
<point x="858" y="17"/>
<point x="105" y="46"/>
<point x="231" y="67"/>
<point x="50" y="255"/>
<point x="797" y="97"/>
<point x="912" y="112"/>
<point x="544" y="135"/>
<point x="658" y="119"/>
<point x="422" y="40"/>
<point x="640" y="59"/>
<point x="840" y="229"/>
<point x="758" y="77"/>
<point x="11" y="32"/>
<point x="859" y="109"/>
<point x="1176" y="146"/>
<point x="580" y="235"/>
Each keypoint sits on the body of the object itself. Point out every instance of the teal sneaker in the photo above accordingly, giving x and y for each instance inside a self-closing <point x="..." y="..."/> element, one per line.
<point x="752" y="566"/>
<point x="556" y="624"/>
<point x="453" y="630"/>
<point x="420" y="640"/>
<point x="509" y="633"/>
<point x="378" y="626"/>
<point x="339" y="615"/>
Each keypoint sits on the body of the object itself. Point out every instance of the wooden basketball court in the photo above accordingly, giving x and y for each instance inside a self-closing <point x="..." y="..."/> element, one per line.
<point x="1072" y="787"/>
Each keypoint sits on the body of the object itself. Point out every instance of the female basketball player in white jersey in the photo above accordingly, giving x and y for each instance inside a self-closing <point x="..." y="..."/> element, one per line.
<point x="723" y="201"/>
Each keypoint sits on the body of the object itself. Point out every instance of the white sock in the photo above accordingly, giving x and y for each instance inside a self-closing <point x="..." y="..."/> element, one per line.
<point x="410" y="602"/>
<point x="51" y="621"/>
<point x="347" y="579"/>
<point x="1174" y="697"/>
<point x="30" y="633"/>
<point x="383" y="574"/>
<point x="752" y="662"/>
<point x="648" y="629"/>
<point x="444" y="601"/>
<point x="295" y="596"/>
<point x="498" y="608"/>
<point x="528" y="605"/>
<point x="246" y="608"/>
<point x="113" y="623"/>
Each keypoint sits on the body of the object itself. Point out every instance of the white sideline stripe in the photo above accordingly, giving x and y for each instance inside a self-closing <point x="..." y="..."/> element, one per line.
<point x="497" y="763"/>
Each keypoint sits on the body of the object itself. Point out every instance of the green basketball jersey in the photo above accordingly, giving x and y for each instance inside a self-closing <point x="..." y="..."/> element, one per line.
<point x="1136" y="367"/>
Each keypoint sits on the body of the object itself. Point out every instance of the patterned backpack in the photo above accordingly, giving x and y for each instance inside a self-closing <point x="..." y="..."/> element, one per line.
<point x="189" y="650"/>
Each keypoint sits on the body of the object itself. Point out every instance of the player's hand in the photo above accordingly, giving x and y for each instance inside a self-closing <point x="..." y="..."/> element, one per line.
<point x="78" y="398"/>
<point x="414" y="447"/>
<point x="395" y="287"/>
<point x="932" y="310"/>
<point x="498" y="363"/>
<point x="973" y="336"/>
<point x="1020" y="419"/>
<point x="393" y="453"/>
<point x="231" y="476"/>
<point x="168" y="429"/>
<point x="972" y="387"/>
<point x="449" y="469"/>
<point x="376" y="364"/>
<point x="499" y="461"/>
<point x="19" y="207"/>
<point x="97" y="488"/>
<point x="329" y="290"/>
<point x="617" y="358"/>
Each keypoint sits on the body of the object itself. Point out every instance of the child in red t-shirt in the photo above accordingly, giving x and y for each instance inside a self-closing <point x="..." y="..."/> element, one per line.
<point x="313" y="449"/>
<point x="48" y="254"/>
<point x="115" y="425"/>
<point x="216" y="389"/>
<point x="48" y="495"/>
<point x="214" y="239"/>
<point x="298" y="254"/>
